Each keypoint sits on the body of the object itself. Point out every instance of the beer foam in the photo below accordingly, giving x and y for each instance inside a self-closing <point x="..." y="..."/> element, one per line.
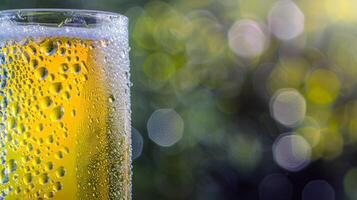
<point x="112" y="28"/>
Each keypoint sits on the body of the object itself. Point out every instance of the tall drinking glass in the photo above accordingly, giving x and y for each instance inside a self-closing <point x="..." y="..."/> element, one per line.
<point x="64" y="105"/>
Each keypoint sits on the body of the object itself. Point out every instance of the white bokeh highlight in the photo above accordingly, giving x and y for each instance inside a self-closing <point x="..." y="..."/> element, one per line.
<point x="137" y="143"/>
<point x="286" y="20"/>
<point x="291" y="152"/>
<point x="247" y="39"/>
<point x="165" y="127"/>
<point x="288" y="107"/>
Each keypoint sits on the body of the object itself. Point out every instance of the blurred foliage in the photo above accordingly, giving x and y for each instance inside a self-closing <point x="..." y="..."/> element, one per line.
<point x="218" y="64"/>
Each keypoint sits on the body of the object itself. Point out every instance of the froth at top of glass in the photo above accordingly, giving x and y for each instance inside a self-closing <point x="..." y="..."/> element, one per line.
<point x="84" y="24"/>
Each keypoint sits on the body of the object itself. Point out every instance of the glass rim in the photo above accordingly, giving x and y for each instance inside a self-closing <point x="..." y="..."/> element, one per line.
<point x="38" y="22"/>
<point x="71" y="12"/>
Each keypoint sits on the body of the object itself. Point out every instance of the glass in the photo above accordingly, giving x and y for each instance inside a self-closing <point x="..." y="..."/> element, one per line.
<point x="64" y="105"/>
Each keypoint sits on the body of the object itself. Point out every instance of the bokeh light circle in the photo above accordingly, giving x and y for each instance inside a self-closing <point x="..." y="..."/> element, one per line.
<point x="291" y="152"/>
<point x="275" y="186"/>
<point x="165" y="127"/>
<point x="323" y="86"/>
<point x="310" y="130"/>
<point x="286" y="20"/>
<point x="159" y="66"/>
<point x="288" y="107"/>
<point x="318" y="189"/>
<point x="350" y="183"/>
<point x="206" y="43"/>
<point x="331" y="144"/>
<point x="245" y="151"/>
<point x="247" y="39"/>
<point x="289" y="72"/>
<point x="137" y="143"/>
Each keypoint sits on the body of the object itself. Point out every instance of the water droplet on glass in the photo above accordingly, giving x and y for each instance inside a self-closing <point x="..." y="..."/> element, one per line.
<point x="45" y="102"/>
<point x="12" y="165"/>
<point x="49" y="47"/>
<point x="4" y="176"/>
<point x="49" y="166"/>
<point x="27" y="178"/>
<point x="64" y="67"/>
<point x="57" y="113"/>
<point x="56" y="88"/>
<point x="61" y="172"/>
<point x="44" y="179"/>
<point x="57" y="186"/>
<point x="76" y="68"/>
<point x="59" y="155"/>
<point x="34" y="64"/>
<point x="41" y="73"/>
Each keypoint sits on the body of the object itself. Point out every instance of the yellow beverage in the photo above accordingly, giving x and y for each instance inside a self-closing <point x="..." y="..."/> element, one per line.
<point x="63" y="129"/>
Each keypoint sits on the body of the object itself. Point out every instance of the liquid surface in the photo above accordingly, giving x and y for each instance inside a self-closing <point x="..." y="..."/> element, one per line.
<point x="63" y="121"/>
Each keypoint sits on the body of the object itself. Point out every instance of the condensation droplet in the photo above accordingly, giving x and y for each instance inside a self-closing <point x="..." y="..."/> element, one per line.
<point x="111" y="98"/>
<point x="44" y="179"/>
<point x="40" y="127"/>
<point x="50" y="139"/>
<point x="34" y="64"/>
<point x="41" y="73"/>
<point x="62" y="51"/>
<point x="27" y="178"/>
<point x="14" y="108"/>
<point x="57" y="113"/>
<point x="57" y="186"/>
<point x="12" y="165"/>
<point x="49" y="47"/>
<point x="4" y="176"/>
<point x="49" y="166"/>
<point x="76" y="68"/>
<point x="49" y="194"/>
<point x="59" y="155"/>
<point x="45" y="102"/>
<point x="61" y="172"/>
<point x="64" y="67"/>
<point x="56" y="88"/>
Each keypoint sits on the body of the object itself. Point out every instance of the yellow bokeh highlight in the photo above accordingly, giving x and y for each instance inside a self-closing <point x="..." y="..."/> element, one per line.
<point x="341" y="10"/>
<point x="310" y="130"/>
<point x="288" y="73"/>
<point x="159" y="66"/>
<point x="322" y="87"/>
<point x="329" y="146"/>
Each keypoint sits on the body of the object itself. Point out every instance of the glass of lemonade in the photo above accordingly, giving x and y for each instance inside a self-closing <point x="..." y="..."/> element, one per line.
<point x="64" y="105"/>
